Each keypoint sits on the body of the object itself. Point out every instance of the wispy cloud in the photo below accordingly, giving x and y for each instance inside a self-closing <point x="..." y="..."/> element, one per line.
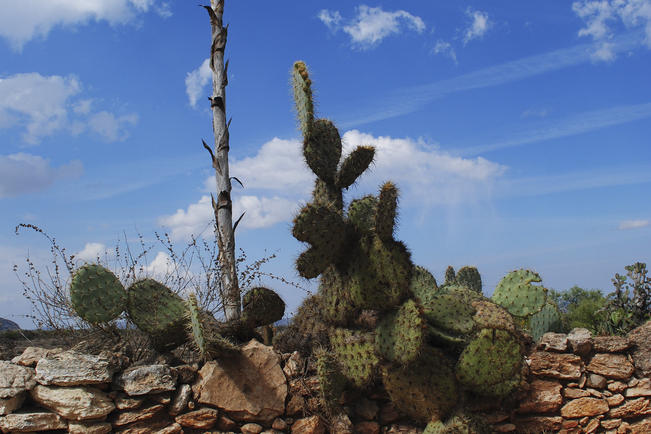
<point x="371" y="25"/>
<point x="479" y="25"/>
<point x="407" y="100"/>
<point x="445" y="48"/>
<point x="634" y="224"/>
<point x="572" y="125"/>
<point x="573" y="181"/>
<point x="604" y="18"/>
<point x="535" y="113"/>
<point x="21" y="21"/>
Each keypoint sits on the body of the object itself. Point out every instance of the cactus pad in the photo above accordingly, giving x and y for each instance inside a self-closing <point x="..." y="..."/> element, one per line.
<point x="451" y="313"/>
<point x="422" y="285"/>
<point x="96" y="294"/>
<point x="361" y="213"/>
<point x="354" y="165"/>
<point x="331" y="382"/>
<point x="400" y="335"/>
<point x="492" y="316"/>
<point x="322" y="149"/>
<point x="262" y="306"/>
<point x="385" y="216"/>
<point x="547" y="320"/>
<point x="491" y="364"/>
<point x="303" y="96"/>
<point x="157" y="311"/>
<point x="470" y="278"/>
<point x="355" y="353"/>
<point x="517" y="293"/>
<point x="425" y="390"/>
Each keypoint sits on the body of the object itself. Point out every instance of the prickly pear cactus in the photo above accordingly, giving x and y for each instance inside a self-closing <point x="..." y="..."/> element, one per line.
<point x="96" y="294"/>
<point x="261" y="306"/>
<point x="157" y="311"/>
<point x="517" y="293"/>
<point x="429" y="344"/>
<point x="548" y="319"/>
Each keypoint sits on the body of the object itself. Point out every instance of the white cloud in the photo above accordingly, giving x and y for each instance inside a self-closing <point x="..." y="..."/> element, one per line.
<point x="445" y="48"/>
<point x="25" y="173"/>
<point x="91" y="252"/>
<point x="603" y="18"/>
<point x="261" y="212"/>
<point x="161" y="267"/>
<point x="424" y="173"/>
<point x="634" y="224"/>
<point x="196" y="80"/>
<point x="46" y="105"/>
<point x="21" y="21"/>
<point x="372" y="25"/>
<point x="112" y="128"/>
<point x="330" y="19"/>
<point x="479" y="25"/>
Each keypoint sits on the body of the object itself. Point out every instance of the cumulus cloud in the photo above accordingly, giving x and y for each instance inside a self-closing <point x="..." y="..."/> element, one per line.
<point x="21" y="21"/>
<point x="45" y="105"/>
<point x="479" y="25"/>
<point x="277" y="181"/>
<point x="91" y="252"/>
<point x="603" y="19"/>
<point x="445" y="48"/>
<point x="261" y="212"/>
<point x="634" y="224"/>
<point x="372" y="25"/>
<point x="196" y="80"/>
<point x="23" y="173"/>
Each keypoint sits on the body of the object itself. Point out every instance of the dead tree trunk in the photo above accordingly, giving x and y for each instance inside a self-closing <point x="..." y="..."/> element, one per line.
<point x="223" y="206"/>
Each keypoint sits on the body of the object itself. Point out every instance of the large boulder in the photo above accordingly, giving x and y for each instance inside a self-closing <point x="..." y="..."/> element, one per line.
<point x="250" y="387"/>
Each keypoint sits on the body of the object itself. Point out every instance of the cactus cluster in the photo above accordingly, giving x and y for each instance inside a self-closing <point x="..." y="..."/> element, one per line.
<point x="98" y="296"/>
<point x="428" y="345"/>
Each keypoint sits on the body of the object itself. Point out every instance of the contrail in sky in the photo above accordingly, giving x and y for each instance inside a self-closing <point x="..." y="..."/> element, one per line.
<point x="411" y="99"/>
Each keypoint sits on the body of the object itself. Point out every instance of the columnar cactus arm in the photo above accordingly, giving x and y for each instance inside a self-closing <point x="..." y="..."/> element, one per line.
<point x="354" y="165"/>
<point x="385" y="216"/>
<point x="303" y="97"/>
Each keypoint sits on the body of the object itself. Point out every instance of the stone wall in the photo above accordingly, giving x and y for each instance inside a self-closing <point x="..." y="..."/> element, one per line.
<point x="577" y="384"/>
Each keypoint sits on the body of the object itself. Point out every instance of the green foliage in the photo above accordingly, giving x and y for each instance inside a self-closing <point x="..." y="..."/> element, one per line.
<point x="96" y="294"/>
<point x="580" y="308"/>
<point x="629" y="306"/>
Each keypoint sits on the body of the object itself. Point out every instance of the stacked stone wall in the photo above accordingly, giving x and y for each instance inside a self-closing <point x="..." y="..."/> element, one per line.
<point x="577" y="384"/>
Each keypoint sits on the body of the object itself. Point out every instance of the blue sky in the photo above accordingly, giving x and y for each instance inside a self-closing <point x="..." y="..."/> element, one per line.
<point x="517" y="132"/>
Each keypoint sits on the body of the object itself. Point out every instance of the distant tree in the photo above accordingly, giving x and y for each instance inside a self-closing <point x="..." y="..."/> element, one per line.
<point x="630" y="304"/>
<point x="580" y="308"/>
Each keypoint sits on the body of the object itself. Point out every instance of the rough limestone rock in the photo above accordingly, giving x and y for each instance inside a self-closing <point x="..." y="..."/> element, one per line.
<point x="597" y="381"/>
<point x="630" y="409"/>
<point x="551" y="341"/>
<point x="580" y="341"/>
<point x="15" y="379"/>
<point x="71" y="368"/>
<point x="74" y="403"/>
<point x="582" y="407"/>
<point x="251" y="428"/>
<point x="28" y="422"/>
<point x="614" y="366"/>
<point x="137" y="415"/>
<point x="643" y="388"/>
<point x="554" y="365"/>
<point x="8" y="405"/>
<point x="542" y="397"/>
<point x="641" y="339"/>
<point x="143" y="380"/>
<point x="31" y="355"/>
<point x="250" y="386"/>
<point x="204" y="418"/>
<point x="309" y="425"/>
<point x="181" y="399"/>
<point x="539" y="424"/>
<point x="89" y="427"/>
<point x="610" y="344"/>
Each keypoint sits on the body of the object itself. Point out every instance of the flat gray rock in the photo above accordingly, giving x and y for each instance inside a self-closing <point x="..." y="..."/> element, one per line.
<point x="147" y="379"/>
<point x="70" y="368"/>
